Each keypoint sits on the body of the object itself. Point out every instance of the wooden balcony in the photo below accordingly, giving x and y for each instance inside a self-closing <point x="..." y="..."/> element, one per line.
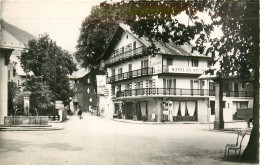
<point x="238" y="94"/>
<point x="126" y="56"/>
<point x="130" y="75"/>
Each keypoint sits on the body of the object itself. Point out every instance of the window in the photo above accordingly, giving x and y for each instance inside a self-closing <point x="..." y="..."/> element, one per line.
<point x="134" y="45"/>
<point x="134" y="48"/>
<point x="14" y="72"/>
<point x="8" y="74"/>
<point x="169" y="61"/>
<point x="202" y="83"/>
<point x="243" y="85"/>
<point x="138" y="85"/>
<point x="144" y="64"/>
<point x="120" y="71"/>
<point x="130" y="70"/>
<point x="242" y="104"/>
<point x="123" y="50"/>
<point x="88" y="80"/>
<point x="195" y="63"/>
<point x="150" y="83"/>
<point x="88" y="90"/>
<point x="212" y="107"/>
<point x="211" y="86"/>
<point x="169" y="83"/>
<point x="126" y="36"/>
<point x="224" y="104"/>
<point x="90" y="100"/>
<point x="113" y="72"/>
<point x="129" y="86"/>
<point x="113" y="90"/>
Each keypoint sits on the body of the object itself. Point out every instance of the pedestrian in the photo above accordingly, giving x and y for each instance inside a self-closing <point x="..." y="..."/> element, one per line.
<point x="80" y="113"/>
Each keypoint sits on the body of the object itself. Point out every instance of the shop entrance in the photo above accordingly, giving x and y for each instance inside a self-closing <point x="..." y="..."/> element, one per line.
<point x="181" y="110"/>
<point x="129" y="110"/>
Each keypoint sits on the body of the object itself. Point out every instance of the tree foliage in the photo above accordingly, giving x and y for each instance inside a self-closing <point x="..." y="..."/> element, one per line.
<point x="50" y="65"/>
<point x="41" y="97"/>
<point x="96" y="32"/>
<point x="15" y="98"/>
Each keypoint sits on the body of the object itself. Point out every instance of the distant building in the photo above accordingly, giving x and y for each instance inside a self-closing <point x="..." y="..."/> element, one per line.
<point x="165" y="85"/>
<point x="16" y="73"/>
<point x="84" y="92"/>
<point x="8" y="43"/>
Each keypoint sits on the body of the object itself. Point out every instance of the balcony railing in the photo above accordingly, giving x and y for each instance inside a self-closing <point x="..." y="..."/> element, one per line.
<point x="165" y="91"/>
<point x="179" y="92"/>
<point x="130" y="75"/>
<point x="189" y="70"/>
<point x="238" y="94"/>
<point x="126" y="55"/>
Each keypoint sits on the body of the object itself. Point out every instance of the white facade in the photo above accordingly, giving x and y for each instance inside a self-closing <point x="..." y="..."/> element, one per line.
<point x="164" y="86"/>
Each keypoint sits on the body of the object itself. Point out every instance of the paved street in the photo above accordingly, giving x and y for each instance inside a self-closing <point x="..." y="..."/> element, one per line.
<point x="95" y="140"/>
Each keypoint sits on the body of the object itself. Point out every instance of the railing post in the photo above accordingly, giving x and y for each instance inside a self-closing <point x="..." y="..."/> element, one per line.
<point x="181" y="91"/>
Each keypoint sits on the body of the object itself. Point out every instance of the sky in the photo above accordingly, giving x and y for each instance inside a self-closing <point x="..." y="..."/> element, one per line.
<point x="61" y="19"/>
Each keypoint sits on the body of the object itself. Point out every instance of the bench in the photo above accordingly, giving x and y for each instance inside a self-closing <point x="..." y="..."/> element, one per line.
<point x="237" y="146"/>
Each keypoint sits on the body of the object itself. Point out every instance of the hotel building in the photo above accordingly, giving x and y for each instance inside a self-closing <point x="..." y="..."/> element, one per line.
<point x="164" y="86"/>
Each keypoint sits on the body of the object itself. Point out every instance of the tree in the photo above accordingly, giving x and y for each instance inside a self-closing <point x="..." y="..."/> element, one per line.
<point x="14" y="98"/>
<point x="41" y="97"/>
<point x="237" y="50"/>
<point x="50" y="65"/>
<point x="95" y="34"/>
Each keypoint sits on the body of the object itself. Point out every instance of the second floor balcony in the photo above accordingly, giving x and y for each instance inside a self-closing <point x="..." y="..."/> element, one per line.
<point x="130" y="75"/>
<point x="118" y="58"/>
<point x="179" y="92"/>
<point x="165" y="92"/>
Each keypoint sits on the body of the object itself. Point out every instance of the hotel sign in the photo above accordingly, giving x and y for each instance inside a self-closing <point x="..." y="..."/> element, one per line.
<point x="191" y="70"/>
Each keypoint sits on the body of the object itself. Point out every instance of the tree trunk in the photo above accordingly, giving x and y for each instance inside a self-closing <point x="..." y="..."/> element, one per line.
<point x="251" y="152"/>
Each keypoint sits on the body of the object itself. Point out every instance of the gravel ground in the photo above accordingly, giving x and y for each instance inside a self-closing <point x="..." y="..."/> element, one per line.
<point x="95" y="140"/>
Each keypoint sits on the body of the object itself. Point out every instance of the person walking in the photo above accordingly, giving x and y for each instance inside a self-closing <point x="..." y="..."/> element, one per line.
<point x="80" y="113"/>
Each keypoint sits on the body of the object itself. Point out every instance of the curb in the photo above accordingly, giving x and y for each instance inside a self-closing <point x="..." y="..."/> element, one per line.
<point x="29" y="128"/>
<point x="156" y="123"/>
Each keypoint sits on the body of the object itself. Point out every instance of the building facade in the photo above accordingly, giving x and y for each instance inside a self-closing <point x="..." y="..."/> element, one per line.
<point x="8" y="43"/>
<point x="163" y="86"/>
<point x="85" y="95"/>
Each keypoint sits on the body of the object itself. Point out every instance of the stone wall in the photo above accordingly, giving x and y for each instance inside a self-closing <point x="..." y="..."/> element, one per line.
<point x="25" y="120"/>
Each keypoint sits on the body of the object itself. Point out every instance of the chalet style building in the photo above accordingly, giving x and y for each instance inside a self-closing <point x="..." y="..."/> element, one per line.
<point x="163" y="86"/>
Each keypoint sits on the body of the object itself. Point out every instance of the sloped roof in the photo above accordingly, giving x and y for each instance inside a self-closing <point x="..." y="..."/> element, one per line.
<point x="21" y="35"/>
<point x="79" y="74"/>
<point x="14" y="38"/>
<point x="8" y="41"/>
<point x="164" y="48"/>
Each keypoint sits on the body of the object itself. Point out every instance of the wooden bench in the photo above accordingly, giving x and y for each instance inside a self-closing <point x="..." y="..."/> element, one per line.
<point x="237" y="146"/>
